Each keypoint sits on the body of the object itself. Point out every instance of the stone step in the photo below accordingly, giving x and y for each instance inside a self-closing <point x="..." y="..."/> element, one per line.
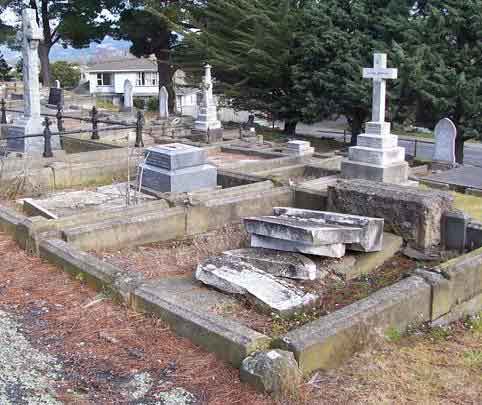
<point x="278" y="263"/>
<point x="306" y="231"/>
<point x="272" y="295"/>
<point x="372" y="228"/>
<point x="336" y="250"/>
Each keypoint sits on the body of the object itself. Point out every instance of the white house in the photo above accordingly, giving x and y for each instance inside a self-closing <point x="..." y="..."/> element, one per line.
<point x="106" y="80"/>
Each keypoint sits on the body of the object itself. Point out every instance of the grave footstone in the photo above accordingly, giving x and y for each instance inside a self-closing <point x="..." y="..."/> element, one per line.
<point x="270" y="294"/>
<point x="445" y="134"/>
<point x="177" y="168"/>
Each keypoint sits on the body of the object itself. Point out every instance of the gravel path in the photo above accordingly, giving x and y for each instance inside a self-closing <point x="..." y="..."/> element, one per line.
<point x="26" y="375"/>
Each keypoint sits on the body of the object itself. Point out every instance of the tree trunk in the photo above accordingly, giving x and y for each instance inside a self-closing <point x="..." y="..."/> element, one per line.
<point x="459" y="148"/>
<point x="43" y="51"/>
<point x="290" y="127"/>
<point x="165" y="80"/>
<point x="356" y="123"/>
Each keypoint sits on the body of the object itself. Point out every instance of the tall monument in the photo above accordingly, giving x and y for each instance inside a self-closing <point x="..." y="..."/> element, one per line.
<point x="377" y="155"/>
<point x="207" y="120"/>
<point x="31" y="122"/>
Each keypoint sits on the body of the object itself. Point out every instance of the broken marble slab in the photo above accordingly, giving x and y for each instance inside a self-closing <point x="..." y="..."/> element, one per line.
<point x="301" y="230"/>
<point x="336" y="250"/>
<point x="371" y="239"/>
<point x="272" y="295"/>
<point x="278" y="263"/>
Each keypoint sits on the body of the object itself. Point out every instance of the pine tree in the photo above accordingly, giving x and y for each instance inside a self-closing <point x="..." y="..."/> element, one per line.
<point x="5" y="69"/>
<point x="251" y="46"/>
<point x="339" y="39"/>
<point x="450" y="33"/>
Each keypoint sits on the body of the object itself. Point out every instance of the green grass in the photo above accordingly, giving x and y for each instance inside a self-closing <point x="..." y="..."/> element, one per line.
<point x="470" y="204"/>
<point x="393" y="335"/>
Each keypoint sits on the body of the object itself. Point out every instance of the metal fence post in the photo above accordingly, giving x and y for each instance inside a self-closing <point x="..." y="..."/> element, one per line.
<point x="60" y="118"/>
<point x="4" y="112"/>
<point x="95" y="132"/>
<point x="415" y="151"/>
<point x="344" y="136"/>
<point x="139" y="127"/>
<point x="47" y="139"/>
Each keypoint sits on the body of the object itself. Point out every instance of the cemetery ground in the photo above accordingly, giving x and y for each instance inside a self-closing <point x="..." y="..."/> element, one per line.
<point x="95" y="347"/>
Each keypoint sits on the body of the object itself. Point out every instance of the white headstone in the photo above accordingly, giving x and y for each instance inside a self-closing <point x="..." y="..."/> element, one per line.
<point x="208" y="116"/>
<point x="128" y="95"/>
<point x="163" y="103"/>
<point x="445" y="134"/>
<point x="57" y="84"/>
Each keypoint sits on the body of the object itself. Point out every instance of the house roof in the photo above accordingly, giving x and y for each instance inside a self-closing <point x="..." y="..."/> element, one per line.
<point x="125" y="65"/>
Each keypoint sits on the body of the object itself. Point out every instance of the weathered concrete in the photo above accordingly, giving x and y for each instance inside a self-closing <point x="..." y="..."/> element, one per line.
<point x="270" y="294"/>
<point x="274" y="372"/>
<point x="327" y="342"/>
<point x="355" y="265"/>
<point x="409" y="212"/>
<point x="229" y="340"/>
<point x="279" y="264"/>
<point x="310" y="199"/>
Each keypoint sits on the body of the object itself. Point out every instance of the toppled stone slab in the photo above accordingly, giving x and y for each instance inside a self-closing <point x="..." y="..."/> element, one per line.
<point x="305" y="231"/>
<point x="277" y="263"/>
<point x="275" y="372"/>
<point x="336" y="250"/>
<point x="233" y="276"/>
<point x="409" y="212"/>
<point x="372" y="228"/>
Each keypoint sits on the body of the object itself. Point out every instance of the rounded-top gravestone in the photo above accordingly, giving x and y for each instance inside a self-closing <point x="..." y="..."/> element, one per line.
<point x="445" y="134"/>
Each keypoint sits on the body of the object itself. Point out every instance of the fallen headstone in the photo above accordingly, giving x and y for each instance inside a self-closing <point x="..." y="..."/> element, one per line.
<point x="278" y="263"/>
<point x="302" y="230"/>
<point x="371" y="239"/>
<point x="336" y="250"/>
<point x="273" y="295"/>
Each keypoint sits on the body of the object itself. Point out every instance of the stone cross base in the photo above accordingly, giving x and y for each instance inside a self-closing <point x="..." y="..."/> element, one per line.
<point x="207" y="118"/>
<point x="377" y="157"/>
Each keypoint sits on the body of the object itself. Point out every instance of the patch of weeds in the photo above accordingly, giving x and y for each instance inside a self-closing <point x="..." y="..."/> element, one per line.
<point x="473" y="358"/>
<point x="474" y="323"/>
<point x="439" y="334"/>
<point x="80" y="277"/>
<point x="393" y="335"/>
<point x="280" y="325"/>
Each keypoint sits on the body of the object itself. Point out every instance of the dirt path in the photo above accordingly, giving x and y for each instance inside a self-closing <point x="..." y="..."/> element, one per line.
<point x="101" y="352"/>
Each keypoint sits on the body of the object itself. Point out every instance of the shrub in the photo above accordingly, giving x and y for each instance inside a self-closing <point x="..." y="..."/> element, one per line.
<point x="153" y="104"/>
<point x="139" y="103"/>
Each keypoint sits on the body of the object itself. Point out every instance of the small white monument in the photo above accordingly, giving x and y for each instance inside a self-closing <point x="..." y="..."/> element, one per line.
<point x="57" y="84"/>
<point x="377" y="156"/>
<point x="207" y="120"/>
<point x="128" y="96"/>
<point x="445" y="134"/>
<point x="31" y="121"/>
<point x="163" y="104"/>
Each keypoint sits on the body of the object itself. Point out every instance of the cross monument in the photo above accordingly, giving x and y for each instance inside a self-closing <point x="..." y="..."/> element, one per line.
<point x="377" y="156"/>
<point x="207" y="121"/>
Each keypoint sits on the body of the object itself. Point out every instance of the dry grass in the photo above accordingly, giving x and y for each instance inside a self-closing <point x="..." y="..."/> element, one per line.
<point x="470" y="204"/>
<point x="430" y="368"/>
<point x="178" y="257"/>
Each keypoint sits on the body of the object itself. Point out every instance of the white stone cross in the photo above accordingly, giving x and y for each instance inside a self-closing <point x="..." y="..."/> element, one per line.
<point x="379" y="73"/>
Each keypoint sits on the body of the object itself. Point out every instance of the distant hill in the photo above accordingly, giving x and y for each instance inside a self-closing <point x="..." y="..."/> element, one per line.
<point x="107" y="49"/>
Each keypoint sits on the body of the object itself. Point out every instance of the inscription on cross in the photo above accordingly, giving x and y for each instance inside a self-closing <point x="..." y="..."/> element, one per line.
<point x="379" y="74"/>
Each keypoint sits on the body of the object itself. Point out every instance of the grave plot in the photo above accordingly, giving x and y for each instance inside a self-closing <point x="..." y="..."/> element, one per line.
<point x="251" y="281"/>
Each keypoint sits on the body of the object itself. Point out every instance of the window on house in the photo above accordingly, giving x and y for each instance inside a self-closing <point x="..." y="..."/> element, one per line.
<point x="147" y="79"/>
<point x="104" y="79"/>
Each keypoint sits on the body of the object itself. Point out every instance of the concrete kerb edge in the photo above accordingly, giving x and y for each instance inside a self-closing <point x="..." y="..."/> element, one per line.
<point x="9" y="219"/>
<point x="229" y="340"/>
